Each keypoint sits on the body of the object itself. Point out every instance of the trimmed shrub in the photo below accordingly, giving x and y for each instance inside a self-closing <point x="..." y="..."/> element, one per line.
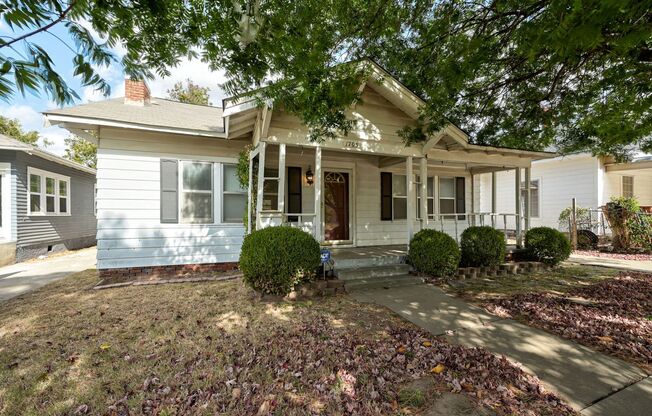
<point x="434" y="253"/>
<point x="483" y="246"/>
<point x="547" y="245"/>
<point x="275" y="259"/>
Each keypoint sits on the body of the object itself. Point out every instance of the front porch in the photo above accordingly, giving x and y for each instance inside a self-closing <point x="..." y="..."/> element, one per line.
<point x="362" y="199"/>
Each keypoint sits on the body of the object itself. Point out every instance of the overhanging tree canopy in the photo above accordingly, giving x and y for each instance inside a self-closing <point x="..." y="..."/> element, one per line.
<point x="521" y="73"/>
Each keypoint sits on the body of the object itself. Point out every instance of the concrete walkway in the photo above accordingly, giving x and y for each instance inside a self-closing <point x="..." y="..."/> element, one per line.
<point x="583" y="377"/>
<point x="633" y="265"/>
<point x="19" y="278"/>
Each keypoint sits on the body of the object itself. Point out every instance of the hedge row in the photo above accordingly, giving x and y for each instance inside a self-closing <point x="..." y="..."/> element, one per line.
<point x="436" y="253"/>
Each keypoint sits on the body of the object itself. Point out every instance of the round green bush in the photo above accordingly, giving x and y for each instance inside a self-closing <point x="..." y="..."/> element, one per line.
<point x="482" y="246"/>
<point x="434" y="253"/>
<point x="547" y="245"/>
<point x="273" y="260"/>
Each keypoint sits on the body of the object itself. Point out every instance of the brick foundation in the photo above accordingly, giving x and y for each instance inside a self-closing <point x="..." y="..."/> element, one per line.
<point x="155" y="272"/>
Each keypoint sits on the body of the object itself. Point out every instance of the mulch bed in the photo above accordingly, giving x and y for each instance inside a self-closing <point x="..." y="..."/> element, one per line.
<point x="613" y="316"/>
<point x="618" y="256"/>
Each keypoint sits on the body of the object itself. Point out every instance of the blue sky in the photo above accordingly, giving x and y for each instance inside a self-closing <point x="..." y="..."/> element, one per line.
<point x="27" y="109"/>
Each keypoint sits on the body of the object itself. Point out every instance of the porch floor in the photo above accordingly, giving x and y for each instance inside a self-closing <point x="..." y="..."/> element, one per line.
<point x="355" y="253"/>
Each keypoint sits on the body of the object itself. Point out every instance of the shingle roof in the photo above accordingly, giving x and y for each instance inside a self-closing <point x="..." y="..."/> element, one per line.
<point x="158" y="113"/>
<point x="7" y="143"/>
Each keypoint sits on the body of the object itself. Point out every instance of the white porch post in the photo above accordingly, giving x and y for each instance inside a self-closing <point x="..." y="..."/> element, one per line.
<point x="249" y="193"/>
<point x="423" y="205"/>
<point x="517" y="195"/>
<point x="410" y="198"/>
<point x="281" y="180"/>
<point x="493" y="199"/>
<point x="261" y="183"/>
<point x="526" y="214"/>
<point x="318" y="194"/>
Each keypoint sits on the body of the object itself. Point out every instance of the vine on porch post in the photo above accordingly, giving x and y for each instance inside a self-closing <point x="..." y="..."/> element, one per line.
<point x="242" y="171"/>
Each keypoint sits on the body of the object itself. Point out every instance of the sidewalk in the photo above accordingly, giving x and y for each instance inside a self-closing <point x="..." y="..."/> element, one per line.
<point x="633" y="265"/>
<point x="581" y="376"/>
<point x="23" y="277"/>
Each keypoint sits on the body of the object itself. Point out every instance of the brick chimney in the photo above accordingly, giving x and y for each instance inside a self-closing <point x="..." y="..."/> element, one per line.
<point x="136" y="92"/>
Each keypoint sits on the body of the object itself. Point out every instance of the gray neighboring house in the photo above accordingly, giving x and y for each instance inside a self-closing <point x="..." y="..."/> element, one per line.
<point x="47" y="203"/>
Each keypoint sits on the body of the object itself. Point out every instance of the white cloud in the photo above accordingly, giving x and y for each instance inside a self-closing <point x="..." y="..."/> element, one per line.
<point x="28" y="117"/>
<point x="195" y="70"/>
<point x="56" y="136"/>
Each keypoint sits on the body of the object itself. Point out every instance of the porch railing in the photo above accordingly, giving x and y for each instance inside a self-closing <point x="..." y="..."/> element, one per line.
<point x="304" y="221"/>
<point x="455" y="224"/>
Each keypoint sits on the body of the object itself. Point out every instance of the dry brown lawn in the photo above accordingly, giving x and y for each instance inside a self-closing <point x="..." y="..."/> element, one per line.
<point x="209" y="348"/>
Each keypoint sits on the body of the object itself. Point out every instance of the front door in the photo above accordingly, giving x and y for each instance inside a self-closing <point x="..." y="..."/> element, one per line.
<point x="336" y="206"/>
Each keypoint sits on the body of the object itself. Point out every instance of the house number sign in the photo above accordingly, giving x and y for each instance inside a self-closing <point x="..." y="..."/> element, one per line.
<point x="351" y="144"/>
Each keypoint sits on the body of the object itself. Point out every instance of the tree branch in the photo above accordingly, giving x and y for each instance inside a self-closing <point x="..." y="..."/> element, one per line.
<point x="43" y="28"/>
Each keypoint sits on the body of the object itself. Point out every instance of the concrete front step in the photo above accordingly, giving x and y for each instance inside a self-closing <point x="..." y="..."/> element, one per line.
<point x="382" y="282"/>
<point x="357" y="273"/>
<point x="370" y="261"/>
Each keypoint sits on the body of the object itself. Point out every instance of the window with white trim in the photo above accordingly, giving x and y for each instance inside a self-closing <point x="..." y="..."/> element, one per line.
<point x="447" y="195"/>
<point x="430" y="198"/>
<point x="534" y="198"/>
<point x="200" y="192"/>
<point x="234" y="197"/>
<point x="196" y="196"/>
<point x="628" y="186"/>
<point x="49" y="193"/>
<point x="399" y="197"/>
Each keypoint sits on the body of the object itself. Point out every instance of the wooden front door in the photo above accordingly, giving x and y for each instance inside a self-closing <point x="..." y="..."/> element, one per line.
<point x="336" y="206"/>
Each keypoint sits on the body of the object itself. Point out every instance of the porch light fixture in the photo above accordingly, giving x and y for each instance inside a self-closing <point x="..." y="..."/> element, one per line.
<point x="309" y="175"/>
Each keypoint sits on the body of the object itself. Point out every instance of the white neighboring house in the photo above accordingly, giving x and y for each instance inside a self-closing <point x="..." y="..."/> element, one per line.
<point x="593" y="181"/>
<point x="168" y="195"/>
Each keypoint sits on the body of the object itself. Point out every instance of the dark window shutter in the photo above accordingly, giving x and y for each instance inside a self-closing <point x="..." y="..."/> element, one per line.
<point x="385" y="196"/>
<point x="460" y="195"/>
<point x="294" y="193"/>
<point x="169" y="191"/>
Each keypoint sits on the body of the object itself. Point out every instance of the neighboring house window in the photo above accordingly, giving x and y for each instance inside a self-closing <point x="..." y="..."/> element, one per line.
<point x="196" y="192"/>
<point x="200" y="192"/>
<point x="49" y="193"/>
<point x="234" y="202"/>
<point x="534" y="198"/>
<point x="628" y="186"/>
<point x="447" y="195"/>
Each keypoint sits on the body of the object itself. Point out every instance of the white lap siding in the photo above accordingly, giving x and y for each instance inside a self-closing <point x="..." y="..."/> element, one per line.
<point x="560" y="180"/>
<point x="129" y="230"/>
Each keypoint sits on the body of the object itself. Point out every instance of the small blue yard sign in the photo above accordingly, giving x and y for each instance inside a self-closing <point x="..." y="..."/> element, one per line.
<point x="325" y="256"/>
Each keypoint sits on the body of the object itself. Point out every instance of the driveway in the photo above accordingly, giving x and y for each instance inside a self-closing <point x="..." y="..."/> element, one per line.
<point x="19" y="278"/>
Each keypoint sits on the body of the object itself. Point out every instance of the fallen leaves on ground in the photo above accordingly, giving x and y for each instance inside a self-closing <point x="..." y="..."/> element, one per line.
<point x="206" y="349"/>
<point x="611" y="316"/>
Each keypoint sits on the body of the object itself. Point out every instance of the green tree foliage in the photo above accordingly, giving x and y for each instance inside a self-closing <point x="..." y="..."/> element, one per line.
<point x="522" y="73"/>
<point x="81" y="151"/>
<point x="190" y="93"/>
<point x="12" y="128"/>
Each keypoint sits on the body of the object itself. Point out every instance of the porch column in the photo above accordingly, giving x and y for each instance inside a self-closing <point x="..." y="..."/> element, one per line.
<point x="281" y="180"/>
<point x="318" y="195"/>
<point x="261" y="183"/>
<point x="493" y="198"/>
<point x="410" y="198"/>
<point x="517" y="195"/>
<point x="423" y="205"/>
<point x="250" y="193"/>
<point x="527" y="201"/>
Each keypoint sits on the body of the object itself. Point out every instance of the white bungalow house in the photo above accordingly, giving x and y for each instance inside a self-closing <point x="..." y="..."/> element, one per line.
<point x="592" y="181"/>
<point x="168" y="195"/>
